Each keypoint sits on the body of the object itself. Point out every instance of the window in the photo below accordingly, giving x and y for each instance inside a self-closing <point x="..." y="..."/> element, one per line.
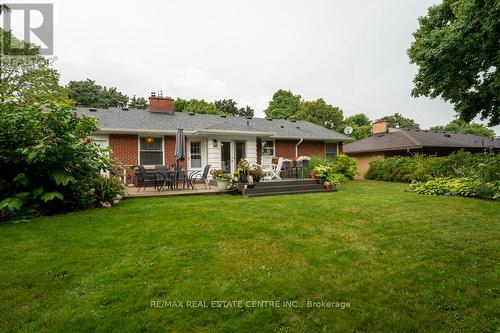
<point x="267" y="148"/>
<point x="150" y="150"/>
<point x="195" y="153"/>
<point x="331" y="150"/>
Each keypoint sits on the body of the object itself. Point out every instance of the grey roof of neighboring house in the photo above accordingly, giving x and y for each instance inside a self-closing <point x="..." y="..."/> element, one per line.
<point x="414" y="139"/>
<point x="117" y="120"/>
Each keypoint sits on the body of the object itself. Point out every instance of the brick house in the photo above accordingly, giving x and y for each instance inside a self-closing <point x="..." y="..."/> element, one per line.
<point x="386" y="141"/>
<point x="147" y="137"/>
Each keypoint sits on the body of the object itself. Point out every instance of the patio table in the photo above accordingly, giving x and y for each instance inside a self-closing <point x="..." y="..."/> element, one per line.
<point x="167" y="177"/>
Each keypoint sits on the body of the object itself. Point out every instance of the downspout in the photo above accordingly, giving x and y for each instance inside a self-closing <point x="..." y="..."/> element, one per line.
<point x="297" y="147"/>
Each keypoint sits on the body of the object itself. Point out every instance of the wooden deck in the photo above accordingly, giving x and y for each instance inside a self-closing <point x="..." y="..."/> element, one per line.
<point x="151" y="192"/>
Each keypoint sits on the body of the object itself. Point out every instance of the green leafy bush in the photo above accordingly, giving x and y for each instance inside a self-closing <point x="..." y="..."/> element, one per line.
<point x="341" y="164"/>
<point x="48" y="162"/>
<point x="345" y="165"/>
<point x="107" y="191"/>
<point x="431" y="187"/>
<point x="488" y="191"/>
<point x="342" y="167"/>
<point x="465" y="187"/>
<point x="485" y="167"/>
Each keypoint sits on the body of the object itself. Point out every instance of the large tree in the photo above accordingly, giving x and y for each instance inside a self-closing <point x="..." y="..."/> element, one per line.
<point x="397" y="120"/>
<point x="196" y="106"/>
<point x="138" y="103"/>
<point x="284" y="105"/>
<point x="230" y="107"/>
<point x="227" y="106"/>
<point x="89" y="94"/>
<point x="360" y="124"/>
<point x="24" y="74"/>
<point x="246" y="111"/>
<point x="457" y="52"/>
<point x="461" y="126"/>
<point x="359" y="119"/>
<point x="320" y="113"/>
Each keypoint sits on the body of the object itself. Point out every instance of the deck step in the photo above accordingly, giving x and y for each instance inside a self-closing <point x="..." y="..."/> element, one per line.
<point x="262" y="194"/>
<point x="285" y="182"/>
<point x="285" y="188"/>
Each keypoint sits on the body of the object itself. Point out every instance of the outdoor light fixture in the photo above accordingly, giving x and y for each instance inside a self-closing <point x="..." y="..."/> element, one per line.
<point x="149" y="140"/>
<point x="215" y="143"/>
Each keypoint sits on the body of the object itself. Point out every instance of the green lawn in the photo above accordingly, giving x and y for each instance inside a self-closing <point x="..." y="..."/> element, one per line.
<point x="403" y="261"/>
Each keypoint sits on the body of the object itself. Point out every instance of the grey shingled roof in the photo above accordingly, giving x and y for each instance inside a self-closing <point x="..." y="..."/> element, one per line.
<point x="116" y="120"/>
<point x="405" y="138"/>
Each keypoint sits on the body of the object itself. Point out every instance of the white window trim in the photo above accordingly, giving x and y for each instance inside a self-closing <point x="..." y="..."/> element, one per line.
<point x="190" y="167"/>
<point x="336" y="145"/>
<point x="139" y="148"/>
<point x="262" y="147"/>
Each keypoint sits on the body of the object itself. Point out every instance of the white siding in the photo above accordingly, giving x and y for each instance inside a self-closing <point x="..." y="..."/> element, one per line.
<point x="213" y="153"/>
<point x="251" y="150"/>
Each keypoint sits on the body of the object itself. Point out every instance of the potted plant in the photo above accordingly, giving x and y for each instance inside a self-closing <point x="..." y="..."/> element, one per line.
<point x="333" y="180"/>
<point x="232" y="188"/>
<point x="256" y="172"/>
<point x="322" y="171"/>
<point x="221" y="177"/>
<point x="242" y="170"/>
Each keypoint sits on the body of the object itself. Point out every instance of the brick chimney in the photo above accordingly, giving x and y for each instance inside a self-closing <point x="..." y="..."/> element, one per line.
<point x="160" y="103"/>
<point x="380" y="126"/>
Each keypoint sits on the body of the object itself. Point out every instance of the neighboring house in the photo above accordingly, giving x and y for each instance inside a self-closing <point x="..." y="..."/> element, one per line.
<point x="147" y="137"/>
<point x="386" y="141"/>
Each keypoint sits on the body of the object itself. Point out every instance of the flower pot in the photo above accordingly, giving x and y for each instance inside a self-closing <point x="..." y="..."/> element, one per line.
<point x="312" y="175"/>
<point x="321" y="180"/>
<point x="328" y="186"/>
<point x="222" y="184"/>
<point x="243" y="177"/>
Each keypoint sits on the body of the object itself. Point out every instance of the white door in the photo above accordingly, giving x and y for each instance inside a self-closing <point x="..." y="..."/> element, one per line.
<point x="195" y="156"/>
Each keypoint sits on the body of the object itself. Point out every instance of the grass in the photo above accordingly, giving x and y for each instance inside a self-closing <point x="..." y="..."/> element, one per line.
<point x="404" y="262"/>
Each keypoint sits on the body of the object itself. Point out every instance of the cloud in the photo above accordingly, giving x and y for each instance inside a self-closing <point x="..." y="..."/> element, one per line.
<point x="194" y="83"/>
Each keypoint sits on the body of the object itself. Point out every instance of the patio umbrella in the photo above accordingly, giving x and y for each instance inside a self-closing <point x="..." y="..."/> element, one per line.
<point x="179" y="146"/>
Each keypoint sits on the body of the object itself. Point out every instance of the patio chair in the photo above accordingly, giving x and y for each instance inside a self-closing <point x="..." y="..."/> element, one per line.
<point x="287" y="165"/>
<point x="145" y="179"/>
<point x="203" y="177"/>
<point x="186" y="179"/>
<point x="275" y="173"/>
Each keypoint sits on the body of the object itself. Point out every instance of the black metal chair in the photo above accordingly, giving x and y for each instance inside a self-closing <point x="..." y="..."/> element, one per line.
<point x="145" y="179"/>
<point x="203" y="177"/>
<point x="186" y="179"/>
<point x="165" y="176"/>
<point x="302" y="165"/>
<point x="287" y="166"/>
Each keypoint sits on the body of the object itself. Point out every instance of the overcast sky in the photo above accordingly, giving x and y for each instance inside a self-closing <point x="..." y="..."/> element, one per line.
<point x="350" y="53"/>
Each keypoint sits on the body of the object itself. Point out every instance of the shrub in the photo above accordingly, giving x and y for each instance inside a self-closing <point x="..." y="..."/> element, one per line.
<point x="345" y="165"/>
<point x="341" y="164"/>
<point x="465" y="187"/>
<point x="48" y="162"/>
<point x="431" y="187"/>
<point x="485" y="167"/>
<point x="107" y="191"/>
<point x="488" y="190"/>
